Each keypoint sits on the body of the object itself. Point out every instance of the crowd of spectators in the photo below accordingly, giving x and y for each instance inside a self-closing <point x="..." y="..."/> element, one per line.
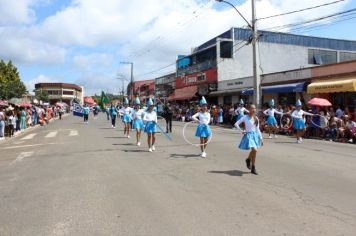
<point x="333" y="123"/>
<point x="15" y="119"/>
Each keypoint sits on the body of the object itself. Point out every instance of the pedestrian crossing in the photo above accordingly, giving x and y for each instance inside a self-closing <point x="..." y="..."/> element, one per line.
<point x="52" y="134"/>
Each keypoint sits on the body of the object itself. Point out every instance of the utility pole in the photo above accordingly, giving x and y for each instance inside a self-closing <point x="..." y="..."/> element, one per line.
<point x="257" y="98"/>
<point x="132" y="80"/>
<point x="256" y="73"/>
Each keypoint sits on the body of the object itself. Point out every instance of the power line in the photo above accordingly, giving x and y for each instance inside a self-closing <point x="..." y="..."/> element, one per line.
<point x="311" y="20"/>
<point x="153" y="43"/>
<point x="301" y="10"/>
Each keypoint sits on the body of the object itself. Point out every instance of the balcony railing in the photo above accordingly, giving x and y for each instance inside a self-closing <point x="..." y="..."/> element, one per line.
<point x="197" y="68"/>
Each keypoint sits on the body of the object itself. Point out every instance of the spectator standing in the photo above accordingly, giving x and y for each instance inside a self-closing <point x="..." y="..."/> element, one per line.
<point x="11" y="123"/>
<point x="2" y="124"/>
<point x="168" y="116"/>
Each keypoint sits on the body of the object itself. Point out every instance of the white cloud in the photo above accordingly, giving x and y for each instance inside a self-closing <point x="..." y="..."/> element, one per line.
<point x="121" y="30"/>
<point x="16" y="12"/>
<point x="30" y="85"/>
<point x="93" y="60"/>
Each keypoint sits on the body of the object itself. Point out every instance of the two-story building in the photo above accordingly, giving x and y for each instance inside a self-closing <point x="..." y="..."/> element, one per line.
<point x="226" y="60"/>
<point x="62" y="92"/>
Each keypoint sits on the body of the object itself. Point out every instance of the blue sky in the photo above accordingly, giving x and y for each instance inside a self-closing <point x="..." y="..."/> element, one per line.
<point x="83" y="41"/>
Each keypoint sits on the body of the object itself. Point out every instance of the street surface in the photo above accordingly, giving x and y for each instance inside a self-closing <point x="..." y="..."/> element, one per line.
<point x="68" y="178"/>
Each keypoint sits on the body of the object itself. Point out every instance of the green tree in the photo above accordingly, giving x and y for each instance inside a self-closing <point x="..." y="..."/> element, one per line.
<point x="11" y="85"/>
<point x="41" y="95"/>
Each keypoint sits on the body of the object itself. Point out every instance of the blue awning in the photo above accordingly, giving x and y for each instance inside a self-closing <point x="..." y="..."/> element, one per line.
<point x="284" y="88"/>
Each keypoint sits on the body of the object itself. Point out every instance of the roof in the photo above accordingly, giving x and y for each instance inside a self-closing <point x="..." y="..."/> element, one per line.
<point x="286" y="38"/>
<point x="56" y="85"/>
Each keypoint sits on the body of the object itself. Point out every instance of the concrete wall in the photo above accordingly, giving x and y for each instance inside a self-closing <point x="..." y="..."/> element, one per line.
<point x="274" y="58"/>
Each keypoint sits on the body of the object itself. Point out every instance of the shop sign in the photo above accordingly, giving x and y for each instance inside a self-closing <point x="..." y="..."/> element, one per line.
<point x="294" y="75"/>
<point x="246" y="82"/>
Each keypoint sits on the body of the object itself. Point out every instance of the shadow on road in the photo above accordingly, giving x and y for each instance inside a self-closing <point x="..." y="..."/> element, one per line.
<point x="134" y="150"/>
<point x="123" y="144"/>
<point x="184" y="155"/>
<point x="230" y="172"/>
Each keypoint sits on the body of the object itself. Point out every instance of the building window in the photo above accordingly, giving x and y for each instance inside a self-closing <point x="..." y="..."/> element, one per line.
<point x="53" y="92"/>
<point x="226" y="49"/>
<point x="321" y="57"/>
<point x="65" y="92"/>
<point x="347" y="56"/>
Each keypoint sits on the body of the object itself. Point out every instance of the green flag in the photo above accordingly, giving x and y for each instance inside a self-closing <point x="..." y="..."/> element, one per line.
<point x="104" y="99"/>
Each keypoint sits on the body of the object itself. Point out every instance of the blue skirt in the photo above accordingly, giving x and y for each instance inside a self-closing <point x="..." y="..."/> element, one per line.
<point x="250" y="140"/>
<point x="127" y="118"/>
<point x="138" y="124"/>
<point x="299" y="124"/>
<point x="150" y="127"/>
<point x="203" y="131"/>
<point x="271" y="120"/>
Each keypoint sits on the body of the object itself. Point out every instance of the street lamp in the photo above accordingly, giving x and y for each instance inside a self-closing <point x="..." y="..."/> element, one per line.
<point x="256" y="75"/>
<point x="131" y="87"/>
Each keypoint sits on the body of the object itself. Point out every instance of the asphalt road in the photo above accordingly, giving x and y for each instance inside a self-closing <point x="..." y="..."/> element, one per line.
<point x="68" y="178"/>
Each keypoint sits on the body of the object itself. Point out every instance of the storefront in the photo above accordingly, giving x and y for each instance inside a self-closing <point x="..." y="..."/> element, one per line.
<point x="338" y="91"/>
<point x="230" y="91"/>
<point x="285" y="94"/>
<point x="190" y="87"/>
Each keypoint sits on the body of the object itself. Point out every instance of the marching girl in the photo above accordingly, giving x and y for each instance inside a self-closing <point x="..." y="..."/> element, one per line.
<point x="241" y="110"/>
<point x="271" y="120"/>
<point x="137" y="115"/>
<point x="298" y="121"/>
<point x="150" y="117"/>
<point x="252" y="139"/>
<point x="203" y="130"/>
<point x="126" y="112"/>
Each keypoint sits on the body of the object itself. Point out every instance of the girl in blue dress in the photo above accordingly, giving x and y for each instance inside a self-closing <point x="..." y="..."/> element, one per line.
<point x="126" y="112"/>
<point x="241" y="110"/>
<point x="271" y="120"/>
<point x="203" y="129"/>
<point x="137" y="115"/>
<point x="252" y="138"/>
<point x="150" y="117"/>
<point x="298" y="121"/>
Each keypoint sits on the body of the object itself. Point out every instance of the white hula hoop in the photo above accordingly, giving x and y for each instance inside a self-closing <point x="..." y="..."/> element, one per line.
<point x="195" y="144"/>
<point x="286" y="126"/>
<point x="321" y="127"/>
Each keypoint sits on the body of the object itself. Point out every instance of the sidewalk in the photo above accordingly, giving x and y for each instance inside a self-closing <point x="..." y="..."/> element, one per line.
<point x="29" y="129"/>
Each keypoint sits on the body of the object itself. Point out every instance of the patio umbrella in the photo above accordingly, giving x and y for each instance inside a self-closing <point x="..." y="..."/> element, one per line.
<point x="319" y="102"/>
<point x="25" y="105"/>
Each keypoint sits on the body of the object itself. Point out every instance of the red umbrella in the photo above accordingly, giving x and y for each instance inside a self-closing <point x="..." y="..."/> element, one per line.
<point x="319" y="102"/>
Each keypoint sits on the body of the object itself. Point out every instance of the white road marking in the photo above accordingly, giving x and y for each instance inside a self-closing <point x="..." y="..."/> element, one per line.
<point x="21" y="156"/>
<point x="52" y="134"/>
<point x="31" y="145"/>
<point x="30" y="136"/>
<point x="73" y="133"/>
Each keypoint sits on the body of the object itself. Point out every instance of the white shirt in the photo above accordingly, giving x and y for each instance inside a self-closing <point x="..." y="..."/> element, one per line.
<point x="202" y="117"/>
<point x="127" y="110"/>
<point x="241" y="110"/>
<point x="271" y="111"/>
<point x="250" y="125"/>
<point x="150" y="116"/>
<point x="137" y="115"/>
<point x="299" y="114"/>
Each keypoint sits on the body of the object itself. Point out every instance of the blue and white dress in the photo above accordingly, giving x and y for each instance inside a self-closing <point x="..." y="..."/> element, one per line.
<point x="253" y="136"/>
<point x="127" y="115"/>
<point x="271" y="120"/>
<point x="137" y="119"/>
<point x="203" y="129"/>
<point x="298" y="119"/>
<point x="240" y="112"/>
<point x="151" y="122"/>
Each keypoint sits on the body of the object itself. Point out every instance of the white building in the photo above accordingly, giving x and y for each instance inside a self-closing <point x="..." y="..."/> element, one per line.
<point x="231" y="55"/>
